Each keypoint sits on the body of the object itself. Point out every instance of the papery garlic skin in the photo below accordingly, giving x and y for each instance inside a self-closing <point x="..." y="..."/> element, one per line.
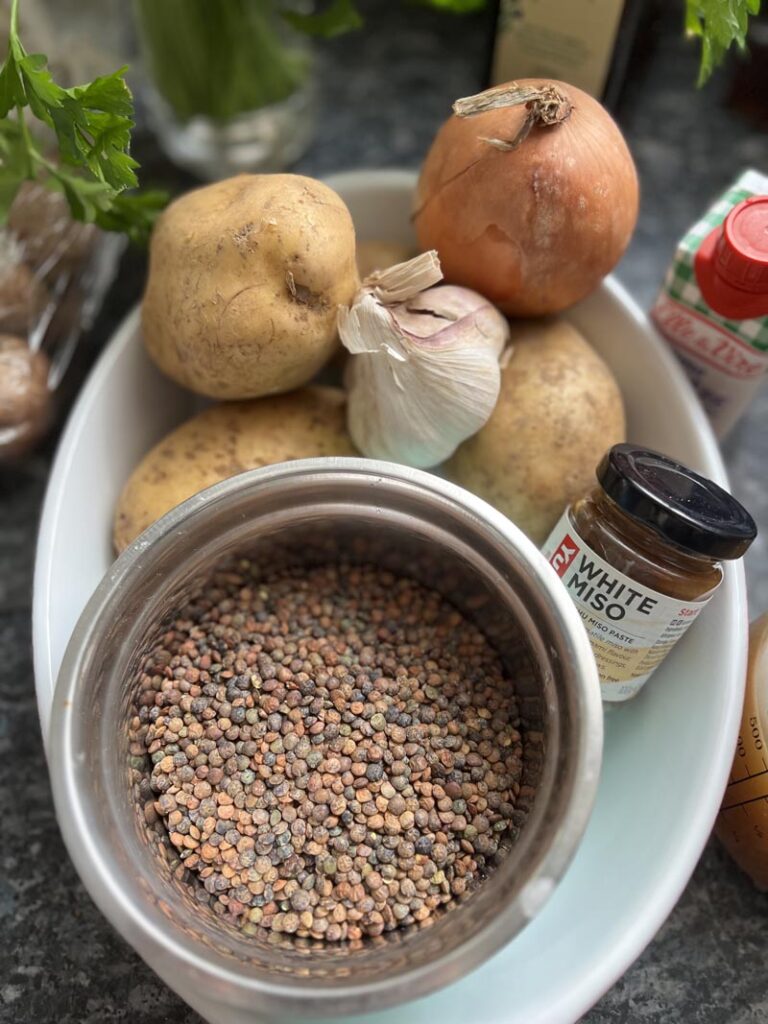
<point x="425" y="371"/>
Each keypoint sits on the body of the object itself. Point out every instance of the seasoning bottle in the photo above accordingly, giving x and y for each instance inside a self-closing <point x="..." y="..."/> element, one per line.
<point x="640" y="556"/>
<point x="587" y="43"/>
<point x="742" y="824"/>
<point x="713" y="307"/>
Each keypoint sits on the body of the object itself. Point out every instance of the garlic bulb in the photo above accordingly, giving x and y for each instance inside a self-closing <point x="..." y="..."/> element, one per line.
<point x="425" y="371"/>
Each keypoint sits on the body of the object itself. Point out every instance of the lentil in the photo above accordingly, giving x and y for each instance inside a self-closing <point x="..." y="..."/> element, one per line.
<point x="345" y="747"/>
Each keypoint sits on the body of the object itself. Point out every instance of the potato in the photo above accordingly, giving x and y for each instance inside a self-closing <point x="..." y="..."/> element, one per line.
<point x="245" y="278"/>
<point x="23" y="296"/>
<point x="559" y="410"/>
<point x="24" y="394"/>
<point x="25" y="402"/>
<point x="42" y="223"/>
<point x="227" y="439"/>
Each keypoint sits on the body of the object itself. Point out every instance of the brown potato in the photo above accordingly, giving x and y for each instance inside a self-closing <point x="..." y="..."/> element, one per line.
<point x="22" y="298"/>
<point x="559" y="411"/>
<point x="227" y="439"/>
<point x="25" y="401"/>
<point x="41" y="222"/>
<point x="245" y="279"/>
<point x="24" y="391"/>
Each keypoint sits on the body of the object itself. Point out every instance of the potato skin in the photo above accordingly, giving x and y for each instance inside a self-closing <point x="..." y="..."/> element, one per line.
<point x="245" y="277"/>
<point x="559" y="411"/>
<point x="227" y="439"/>
<point x="42" y="223"/>
<point x="23" y="297"/>
<point x="25" y="401"/>
<point x="24" y="394"/>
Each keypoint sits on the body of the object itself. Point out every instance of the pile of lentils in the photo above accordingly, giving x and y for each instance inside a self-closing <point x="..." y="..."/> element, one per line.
<point x="334" y="752"/>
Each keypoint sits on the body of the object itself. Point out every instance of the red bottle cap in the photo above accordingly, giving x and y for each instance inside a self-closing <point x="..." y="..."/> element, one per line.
<point x="731" y="264"/>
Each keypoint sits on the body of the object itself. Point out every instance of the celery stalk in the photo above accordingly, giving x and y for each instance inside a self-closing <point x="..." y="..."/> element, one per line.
<point x="218" y="58"/>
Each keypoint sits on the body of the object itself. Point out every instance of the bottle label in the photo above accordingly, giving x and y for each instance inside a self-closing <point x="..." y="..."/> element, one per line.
<point x="550" y="39"/>
<point x="631" y="627"/>
<point x="723" y="368"/>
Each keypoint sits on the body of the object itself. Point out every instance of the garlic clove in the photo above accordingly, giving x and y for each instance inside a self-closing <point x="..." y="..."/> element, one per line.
<point x="448" y="303"/>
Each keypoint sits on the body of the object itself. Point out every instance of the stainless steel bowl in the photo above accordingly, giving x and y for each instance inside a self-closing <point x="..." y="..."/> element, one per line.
<point x="310" y="511"/>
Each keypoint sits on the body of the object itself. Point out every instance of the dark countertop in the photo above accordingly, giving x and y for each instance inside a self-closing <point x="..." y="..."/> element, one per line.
<point x="383" y="94"/>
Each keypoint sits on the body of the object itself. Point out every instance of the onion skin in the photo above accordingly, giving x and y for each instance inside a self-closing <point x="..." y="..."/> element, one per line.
<point x="536" y="228"/>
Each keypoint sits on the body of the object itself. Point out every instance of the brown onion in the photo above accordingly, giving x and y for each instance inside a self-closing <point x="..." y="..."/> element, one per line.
<point x="529" y="194"/>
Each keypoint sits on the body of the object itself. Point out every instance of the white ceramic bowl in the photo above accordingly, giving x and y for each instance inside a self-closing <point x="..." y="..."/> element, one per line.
<point x="667" y="754"/>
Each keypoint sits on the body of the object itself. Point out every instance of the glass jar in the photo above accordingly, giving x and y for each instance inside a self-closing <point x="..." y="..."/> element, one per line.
<point x="230" y="87"/>
<point x="640" y="552"/>
<point x="640" y="556"/>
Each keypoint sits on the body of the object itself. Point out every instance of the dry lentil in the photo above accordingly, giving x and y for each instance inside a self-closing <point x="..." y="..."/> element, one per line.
<point x="344" y="746"/>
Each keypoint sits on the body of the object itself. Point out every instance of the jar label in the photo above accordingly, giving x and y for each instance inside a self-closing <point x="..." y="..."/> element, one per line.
<point x="631" y="627"/>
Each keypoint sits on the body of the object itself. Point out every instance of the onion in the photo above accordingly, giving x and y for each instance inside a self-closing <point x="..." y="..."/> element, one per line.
<point x="529" y="195"/>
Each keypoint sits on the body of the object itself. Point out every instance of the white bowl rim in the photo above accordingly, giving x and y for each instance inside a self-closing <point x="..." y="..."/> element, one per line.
<point x="565" y="1005"/>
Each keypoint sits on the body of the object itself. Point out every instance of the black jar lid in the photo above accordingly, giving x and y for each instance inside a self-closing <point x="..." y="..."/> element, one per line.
<point x="680" y="505"/>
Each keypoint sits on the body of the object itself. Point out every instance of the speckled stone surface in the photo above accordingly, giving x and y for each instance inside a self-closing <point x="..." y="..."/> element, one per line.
<point x="383" y="94"/>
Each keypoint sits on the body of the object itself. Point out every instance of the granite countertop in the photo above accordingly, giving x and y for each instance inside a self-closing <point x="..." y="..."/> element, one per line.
<point x="383" y="92"/>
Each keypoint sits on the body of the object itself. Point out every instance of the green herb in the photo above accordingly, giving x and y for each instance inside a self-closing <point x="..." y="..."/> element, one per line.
<point x="339" y="17"/>
<point x="218" y="58"/>
<point x="92" y="125"/>
<point x="455" y="6"/>
<point x="720" y="24"/>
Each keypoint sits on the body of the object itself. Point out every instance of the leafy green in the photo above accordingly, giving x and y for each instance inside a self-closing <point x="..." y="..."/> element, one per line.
<point x="219" y="58"/>
<point x="92" y="125"/>
<point x="719" y="24"/>
<point x="133" y="213"/>
<point x="455" y="6"/>
<point x="339" y="16"/>
<point x="13" y="161"/>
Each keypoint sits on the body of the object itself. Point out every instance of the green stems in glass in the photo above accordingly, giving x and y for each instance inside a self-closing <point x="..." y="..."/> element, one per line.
<point x="219" y="58"/>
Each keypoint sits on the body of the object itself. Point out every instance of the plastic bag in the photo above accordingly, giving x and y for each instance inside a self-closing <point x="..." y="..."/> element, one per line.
<point x="54" y="272"/>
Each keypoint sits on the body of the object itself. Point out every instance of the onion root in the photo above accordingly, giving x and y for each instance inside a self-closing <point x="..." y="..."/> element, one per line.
<point x="545" y="104"/>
